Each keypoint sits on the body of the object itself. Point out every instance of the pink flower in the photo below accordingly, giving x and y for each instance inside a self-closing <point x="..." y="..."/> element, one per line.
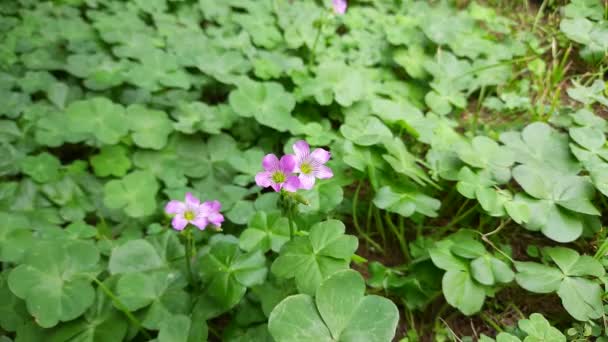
<point x="193" y="212"/>
<point x="310" y="165"/>
<point x="278" y="173"/>
<point x="339" y="6"/>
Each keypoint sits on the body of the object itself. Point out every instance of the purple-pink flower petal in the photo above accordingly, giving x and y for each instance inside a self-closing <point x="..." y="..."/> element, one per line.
<point x="323" y="172"/>
<point x="179" y="222"/>
<point x="216" y="219"/>
<point x="211" y="206"/>
<point x="287" y="163"/>
<point x="175" y="207"/>
<point x="301" y="149"/>
<point x="320" y="155"/>
<point x="270" y="162"/>
<point x="339" y="6"/>
<point x="276" y="186"/>
<point x="307" y="181"/>
<point x="263" y="179"/>
<point x="292" y="184"/>
<point x="200" y="222"/>
<point x="191" y="201"/>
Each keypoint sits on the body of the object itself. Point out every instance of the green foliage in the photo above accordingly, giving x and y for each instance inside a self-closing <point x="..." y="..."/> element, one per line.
<point x="311" y="259"/>
<point x="580" y="296"/>
<point x="460" y="134"/>
<point x="338" y="312"/>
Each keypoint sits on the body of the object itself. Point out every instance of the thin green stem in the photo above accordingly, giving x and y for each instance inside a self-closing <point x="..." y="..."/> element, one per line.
<point x="399" y="234"/>
<point x="480" y="99"/>
<point x="380" y="226"/>
<point x="356" y="220"/>
<point x="189" y="245"/>
<point x="499" y="228"/>
<point x="491" y="322"/>
<point x="311" y="57"/>
<point x="122" y="307"/>
<point x="292" y="230"/>
<point x="539" y="15"/>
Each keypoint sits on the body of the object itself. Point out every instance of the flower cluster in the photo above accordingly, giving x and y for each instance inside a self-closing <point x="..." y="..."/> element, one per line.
<point x="192" y="211"/>
<point x="281" y="173"/>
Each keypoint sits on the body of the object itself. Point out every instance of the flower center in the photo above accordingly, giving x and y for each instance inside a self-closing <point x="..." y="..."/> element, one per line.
<point x="278" y="177"/>
<point x="189" y="215"/>
<point x="306" y="168"/>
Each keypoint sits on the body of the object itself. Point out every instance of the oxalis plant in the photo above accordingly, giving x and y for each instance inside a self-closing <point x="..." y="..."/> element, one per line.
<point x="331" y="304"/>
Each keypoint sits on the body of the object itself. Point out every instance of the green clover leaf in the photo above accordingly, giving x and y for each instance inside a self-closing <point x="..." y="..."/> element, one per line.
<point x="151" y="128"/>
<point x="267" y="102"/>
<point x="54" y="281"/>
<point x="339" y="312"/>
<point x="265" y="231"/>
<point x="135" y="194"/>
<point x="406" y="202"/>
<point x="43" y="168"/>
<point x="111" y="161"/>
<point x="365" y="131"/>
<point x="311" y="259"/>
<point x="98" y="117"/>
<point x="580" y="296"/>
<point x="228" y="272"/>
<point x="539" y="330"/>
<point x="484" y="153"/>
<point x="541" y="147"/>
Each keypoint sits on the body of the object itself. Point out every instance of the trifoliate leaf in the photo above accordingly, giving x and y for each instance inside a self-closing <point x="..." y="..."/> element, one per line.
<point x="112" y="160"/>
<point x="98" y="117"/>
<point x="311" y="259"/>
<point x="151" y="128"/>
<point x="135" y="194"/>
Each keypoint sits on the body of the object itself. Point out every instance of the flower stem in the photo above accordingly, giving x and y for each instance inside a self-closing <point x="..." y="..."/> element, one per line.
<point x="311" y="57"/>
<point x="189" y="244"/>
<point x="290" y="219"/>
<point x="122" y="307"/>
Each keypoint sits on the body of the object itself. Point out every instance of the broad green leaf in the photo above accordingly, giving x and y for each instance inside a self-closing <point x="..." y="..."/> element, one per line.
<point x="13" y="312"/>
<point x="135" y="194"/>
<point x="311" y="259"/>
<point x="98" y="117"/>
<point x="404" y="162"/>
<point x="339" y="312"/>
<point x="296" y="319"/>
<point x="54" y="281"/>
<point x="539" y="330"/>
<point x="590" y="138"/>
<point x="555" y="222"/>
<point x="265" y="231"/>
<point x="228" y="272"/>
<point x="538" y="278"/>
<point x="462" y="292"/>
<point x="488" y="270"/>
<point x="442" y="256"/>
<point x="483" y="152"/>
<point x="406" y="202"/>
<point x="267" y="102"/>
<point x="101" y="323"/>
<point x="43" y="168"/>
<point x="542" y="148"/>
<point x="365" y="131"/>
<point x="150" y="127"/>
<point x="582" y="298"/>
<point x="573" y="264"/>
<point x="112" y="160"/>
<point x="134" y="256"/>
<point x="593" y="93"/>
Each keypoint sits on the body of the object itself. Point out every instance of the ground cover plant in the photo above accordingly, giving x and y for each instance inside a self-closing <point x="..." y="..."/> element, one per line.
<point x="278" y="170"/>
